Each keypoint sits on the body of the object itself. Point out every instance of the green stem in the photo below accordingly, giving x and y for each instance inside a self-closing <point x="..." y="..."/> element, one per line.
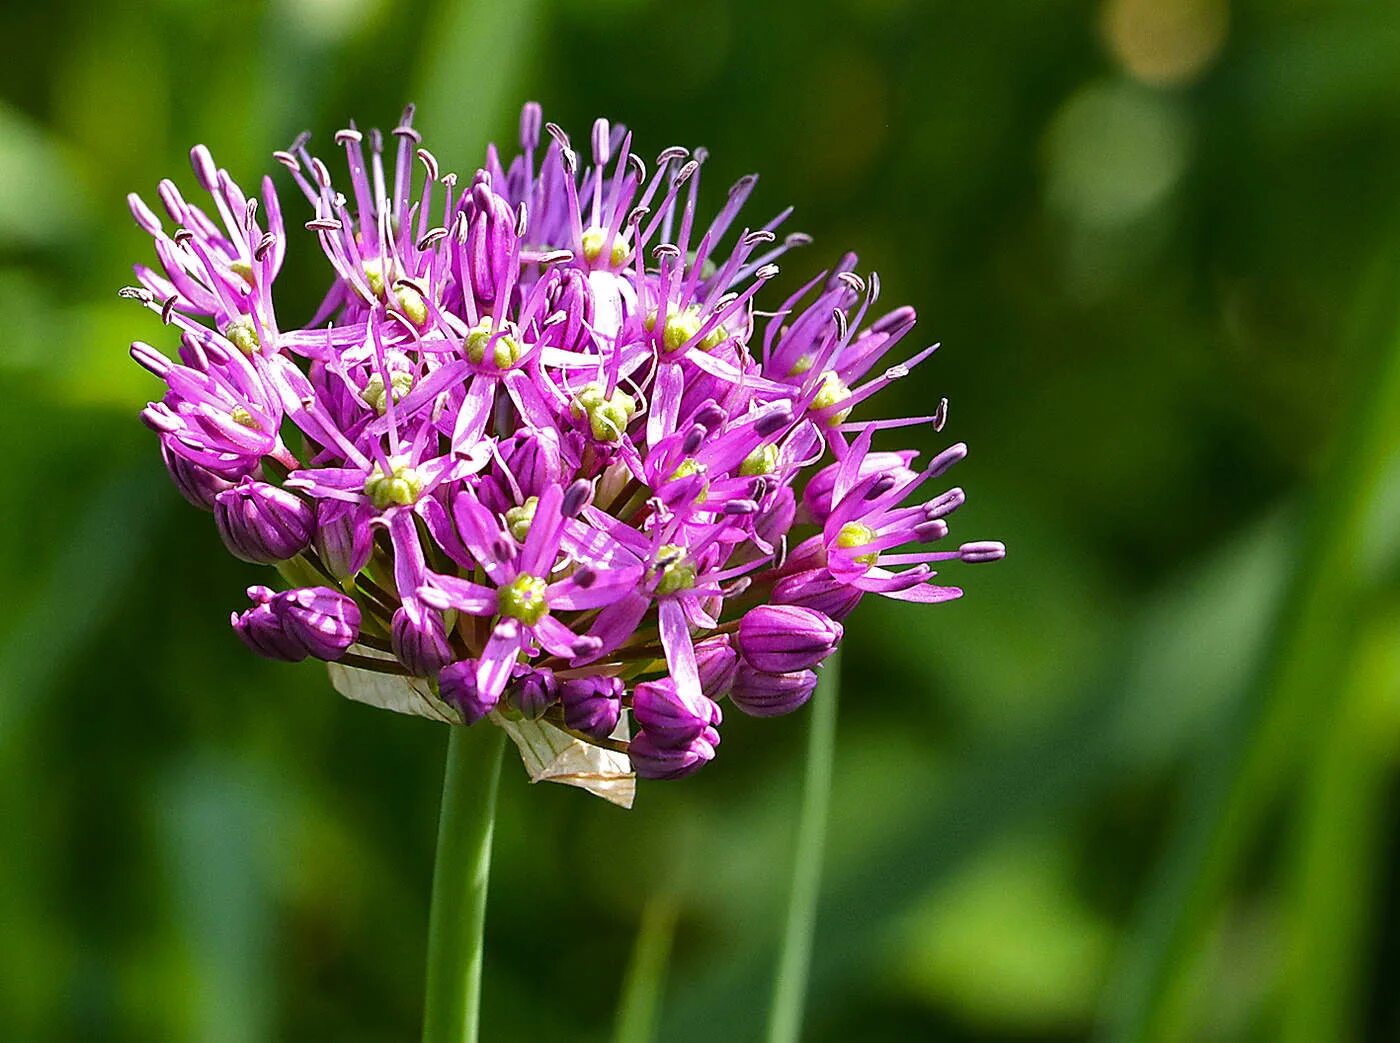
<point x="795" y="961"/>
<point x="460" y="876"/>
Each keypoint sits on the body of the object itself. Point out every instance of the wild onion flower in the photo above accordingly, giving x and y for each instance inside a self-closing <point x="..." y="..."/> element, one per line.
<point x="538" y="451"/>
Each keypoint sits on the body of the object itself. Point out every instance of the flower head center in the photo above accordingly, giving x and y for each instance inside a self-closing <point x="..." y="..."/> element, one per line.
<point x="681" y="326"/>
<point x="518" y="519"/>
<point x="763" y="460"/>
<point x="593" y="240"/>
<point x="400" y="383"/>
<point x="608" y="415"/>
<point x="243" y="334"/>
<point x="830" y="396"/>
<point x="523" y="598"/>
<point x="402" y="485"/>
<point x="688" y="468"/>
<point x="856" y="534"/>
<point x="242" y="269"/>
<point x="677" y="570"/>
<point x="410" y="301"/>
<point x="487" y="348"/>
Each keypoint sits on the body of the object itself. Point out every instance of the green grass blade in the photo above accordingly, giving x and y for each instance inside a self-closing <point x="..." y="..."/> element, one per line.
<point x="1245" y="770"/>
<point x="1345" y="809"/>
<point x="645" y="981"/>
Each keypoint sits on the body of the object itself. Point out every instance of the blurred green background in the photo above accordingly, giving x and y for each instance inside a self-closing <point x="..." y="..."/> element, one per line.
<point x="1140" y="784"/>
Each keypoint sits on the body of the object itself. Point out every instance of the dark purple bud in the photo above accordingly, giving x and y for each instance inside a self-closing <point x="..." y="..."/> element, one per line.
<point x="809" y="554"/>
<point x="419" y="638"/>
<point x="777" y="518"/>
<point x="761" y="694"/>
<point x="323" y="621"/>
<point x="817" y="589"/>
<point x="343" y="541"/>
<point x="260" y="628"/>
<point x="262" y="523"/>
<point x="717" y="662"/>
<point x="314" y="621"/>
<point x="782" y="638"/>
<point x="942" y="506"/>
<point x="199" y="485"/>
<point x="984" y="550"/>
<point x="670" y="720"/>
<point x="457" y="686"/>
<point x="940" y="415"/>
<point x="534" y="459"/>
<point x="536" y="692"/>
<point x="651" y="760"/>
<point x="592" y="705"/>
<point x="739" y="507"/>
<point x="576" y="497"/>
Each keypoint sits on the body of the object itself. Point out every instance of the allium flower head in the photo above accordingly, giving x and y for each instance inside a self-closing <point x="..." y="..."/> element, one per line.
<point x="538" y="454"/>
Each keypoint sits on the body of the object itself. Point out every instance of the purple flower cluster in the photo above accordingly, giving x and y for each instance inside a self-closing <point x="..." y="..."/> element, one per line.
<point x="537" y="445"/>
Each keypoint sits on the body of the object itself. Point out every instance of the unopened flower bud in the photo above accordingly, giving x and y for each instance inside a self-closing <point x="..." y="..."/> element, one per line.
<point x="592" y="705"/>
<point x="717" y="663"/>
<point x="308" y="621"/>
<point x="324" y="621"/>
<point x="534" y="460"/>
<point x="342" y="541"/>
<point x="458" y="688"/>
<point x="651" y="760"/>
<point x="670" y="720"/>
<point x="199" y="485"/>
<point x="776" y="518"/>
<point x="536" y="692"/>
<point x="262" y="523"/>
<point x="762" y="694"/>
<point x="419" y="638"/>
<point x="782" y="638"/>
<point x="817" y="589"/>
<point x="260" y="628"/>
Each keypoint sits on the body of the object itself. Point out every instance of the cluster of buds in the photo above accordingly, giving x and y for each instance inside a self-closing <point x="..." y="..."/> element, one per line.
<point x="537" y="447"/>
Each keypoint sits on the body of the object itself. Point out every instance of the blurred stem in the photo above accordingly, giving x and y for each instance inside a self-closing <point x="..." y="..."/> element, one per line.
<point x="1256" y="750"/>
<point x="646" y="973"/>
<point x="460" y="876"/>
<point x="1344" y="810"/>
<point x="795" y="960"/>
